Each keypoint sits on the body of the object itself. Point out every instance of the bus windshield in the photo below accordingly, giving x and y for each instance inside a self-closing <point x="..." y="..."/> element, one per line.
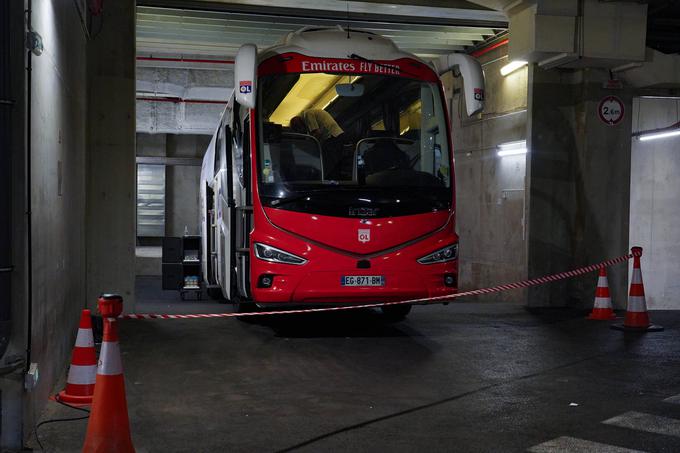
<point x="352" y="145"/>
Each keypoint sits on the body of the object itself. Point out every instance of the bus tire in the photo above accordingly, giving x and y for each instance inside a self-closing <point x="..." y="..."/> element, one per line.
<point x="216" y="294"/>
<point x="243" y="306"/>
<point x="396" y="312"/>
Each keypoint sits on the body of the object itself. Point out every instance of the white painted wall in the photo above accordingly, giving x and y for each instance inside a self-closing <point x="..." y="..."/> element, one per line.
<point x="655" y="202"/>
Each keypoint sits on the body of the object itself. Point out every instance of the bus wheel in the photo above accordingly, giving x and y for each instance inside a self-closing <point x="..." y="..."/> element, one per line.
<point x="216" y="294"/>
<point x="243" y="306"/>
<point x="396" y="312"/>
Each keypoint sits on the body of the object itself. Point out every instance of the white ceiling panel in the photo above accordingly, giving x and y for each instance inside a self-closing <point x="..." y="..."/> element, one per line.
<point x="219" y="33"/>
<point x="181" y="93"/>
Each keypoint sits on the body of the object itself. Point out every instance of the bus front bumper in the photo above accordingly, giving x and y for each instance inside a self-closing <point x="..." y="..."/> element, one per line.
<point x="300" y="286"/>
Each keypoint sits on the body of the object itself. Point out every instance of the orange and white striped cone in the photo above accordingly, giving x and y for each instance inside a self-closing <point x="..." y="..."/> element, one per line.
<point x="83" y="371"/>
<point x="637" y="318"/>
<point x="602" y="308"/>
<point x="108" y="430"/>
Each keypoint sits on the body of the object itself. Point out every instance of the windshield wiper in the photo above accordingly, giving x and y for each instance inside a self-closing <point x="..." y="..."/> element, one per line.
<point x="278" y="201"/>
<point x="382" y="65"/>
<point x="285" y="200"/>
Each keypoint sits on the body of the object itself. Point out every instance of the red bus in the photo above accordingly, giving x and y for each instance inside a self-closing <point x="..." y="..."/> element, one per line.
<point x="329" y="179"/>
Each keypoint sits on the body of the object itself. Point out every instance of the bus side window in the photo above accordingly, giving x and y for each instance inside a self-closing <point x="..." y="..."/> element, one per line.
<point x="246" y="160"/>
<point x="228" y="165"/>
<point x="218" y="152"/>
<point x="238" y="149"/>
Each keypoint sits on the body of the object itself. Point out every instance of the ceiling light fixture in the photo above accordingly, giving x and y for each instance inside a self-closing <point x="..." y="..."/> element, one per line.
<point x="512" y="148"/>
<point x="513" y="66"/>
<point x="666" y="132"/>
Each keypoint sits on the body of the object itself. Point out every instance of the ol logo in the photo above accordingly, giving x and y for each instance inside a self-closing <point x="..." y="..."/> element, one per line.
<point x="364" y="235"/>
<point x="479" y="94"/>
<point x="245" y="86"/>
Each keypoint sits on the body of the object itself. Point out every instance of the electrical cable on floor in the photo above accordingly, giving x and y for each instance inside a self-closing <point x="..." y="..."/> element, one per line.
<point x="55" y="420"/>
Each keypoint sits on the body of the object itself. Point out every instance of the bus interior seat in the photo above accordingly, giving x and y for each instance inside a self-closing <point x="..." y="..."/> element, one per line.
<point x="299" y="157"/>
<point x="384" y="155"/>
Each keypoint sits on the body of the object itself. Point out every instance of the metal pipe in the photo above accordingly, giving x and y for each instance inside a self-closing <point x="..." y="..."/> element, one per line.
<point x="484" y="50"/>
<point x="185" y="60"/>
<point x="29" y="227"/>
<point x="671" y="128"/>
<point x="659" y="97"/>
<point x="6" y="180"/>
<point x="179" y="100"/>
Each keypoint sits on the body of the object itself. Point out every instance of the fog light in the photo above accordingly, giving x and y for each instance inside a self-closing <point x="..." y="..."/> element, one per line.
<point x="265" y="281"/>
<point x="449" y="280"/>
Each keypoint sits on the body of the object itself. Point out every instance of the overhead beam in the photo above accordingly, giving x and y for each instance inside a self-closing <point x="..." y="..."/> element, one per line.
<point x="447" y="16"/>
<point x="162" y="160"/>
<point x="212" y="18"/>
<point x="259" y="30"/>
<point x="230" y="50"/>
<point x="261" y="38"/>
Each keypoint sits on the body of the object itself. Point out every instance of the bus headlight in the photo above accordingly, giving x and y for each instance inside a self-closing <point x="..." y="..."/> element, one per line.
<point x="448" y="253"/>
<point x="274" y="255"/>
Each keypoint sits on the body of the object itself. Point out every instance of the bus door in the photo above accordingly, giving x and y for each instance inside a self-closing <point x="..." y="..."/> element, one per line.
<point x="244" y="205"/>
<point x="224" y="206"/>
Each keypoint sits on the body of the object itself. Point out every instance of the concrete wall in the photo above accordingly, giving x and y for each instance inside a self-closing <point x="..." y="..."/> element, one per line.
<point x="181" y="206"/>
<point x="490" y="189"/>
<point x="182" y="184"/>
<point x="172" y="117"/>
<point x="181" y="181"/>
<point x="654" y="202"/>
<point x="187" y="145"/>
<point x="111" y="158"/>
<point x="151" y="145"/>
<point x="58" y="147"/>
<point x="198" y="83"/>
<point x="578" y="176"/>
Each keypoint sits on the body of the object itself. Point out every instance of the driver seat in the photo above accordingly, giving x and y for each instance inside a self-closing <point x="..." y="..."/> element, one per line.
<point x="384" y="155"/>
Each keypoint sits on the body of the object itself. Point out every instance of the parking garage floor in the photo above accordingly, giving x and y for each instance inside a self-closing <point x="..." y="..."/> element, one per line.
<point x="463" y="377"/>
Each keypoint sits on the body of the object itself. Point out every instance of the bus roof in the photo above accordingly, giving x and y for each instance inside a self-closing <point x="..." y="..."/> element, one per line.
<point x="338" y="42"/>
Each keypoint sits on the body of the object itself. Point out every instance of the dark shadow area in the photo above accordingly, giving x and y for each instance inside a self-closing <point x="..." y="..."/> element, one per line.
<point x="148" y="288"/>
<point x="335" y="324"/>
<point x="152" y="298"/>
<point x="552" y="315"/>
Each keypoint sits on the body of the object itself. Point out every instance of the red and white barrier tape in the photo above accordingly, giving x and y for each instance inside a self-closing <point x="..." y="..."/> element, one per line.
<point x="438" y="299"/>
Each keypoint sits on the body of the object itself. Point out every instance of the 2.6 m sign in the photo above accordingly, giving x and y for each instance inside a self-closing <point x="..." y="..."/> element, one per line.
<point x="611" y="110"/>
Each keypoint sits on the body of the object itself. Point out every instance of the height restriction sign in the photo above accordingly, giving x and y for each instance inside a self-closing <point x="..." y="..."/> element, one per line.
<point x="611" y="110"/>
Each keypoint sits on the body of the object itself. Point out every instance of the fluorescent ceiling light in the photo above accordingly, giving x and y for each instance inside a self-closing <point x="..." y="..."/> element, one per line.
<point x="512" y="148"/>
<point x="308" y="91"/>
<point x="659" y="134"/>
<point x="513" y="66"/>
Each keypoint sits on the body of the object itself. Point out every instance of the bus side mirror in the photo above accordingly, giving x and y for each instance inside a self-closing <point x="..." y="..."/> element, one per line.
<point x="245" y="72"/>
<point x="473" y="78"/>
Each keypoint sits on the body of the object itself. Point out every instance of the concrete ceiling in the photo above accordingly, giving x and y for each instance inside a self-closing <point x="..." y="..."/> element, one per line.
<point x="663" y="26"/>
<point x="185" y="96"/>
<point x="219" y="28"/>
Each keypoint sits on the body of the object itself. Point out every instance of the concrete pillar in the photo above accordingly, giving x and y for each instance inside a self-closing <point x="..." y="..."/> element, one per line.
<point x="490" y="190"/>
<point x="111" y="156"/>
<point x="579" y="184"/>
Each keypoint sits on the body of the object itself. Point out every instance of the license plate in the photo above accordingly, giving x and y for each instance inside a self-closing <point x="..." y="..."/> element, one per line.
<point x="362" y="280"/>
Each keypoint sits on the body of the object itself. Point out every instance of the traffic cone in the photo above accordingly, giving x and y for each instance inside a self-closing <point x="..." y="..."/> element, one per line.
<point x="637" y="318"/>
<point x="602" y="308"/>
<point x="108" y="430"/>
<point x="83" y="371"/>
